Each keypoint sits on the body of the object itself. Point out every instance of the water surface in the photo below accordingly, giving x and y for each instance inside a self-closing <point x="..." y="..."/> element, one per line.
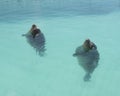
<point x="65" y="24"/>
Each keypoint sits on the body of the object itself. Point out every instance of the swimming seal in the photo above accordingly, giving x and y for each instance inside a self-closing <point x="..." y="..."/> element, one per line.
<point x="88" y="60"/>
<point x="37" y="42"/>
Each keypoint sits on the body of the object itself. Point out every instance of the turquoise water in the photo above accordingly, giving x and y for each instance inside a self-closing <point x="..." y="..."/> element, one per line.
<point x="65" y="25"/>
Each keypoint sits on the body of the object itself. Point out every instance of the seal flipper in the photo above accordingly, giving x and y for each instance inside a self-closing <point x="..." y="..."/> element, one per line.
<point x="87" y="77"/>
<point x="75" y="54"/>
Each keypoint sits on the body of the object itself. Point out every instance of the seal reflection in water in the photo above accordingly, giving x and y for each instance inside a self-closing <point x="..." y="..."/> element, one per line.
<point x="88" y="57"/>
<point x="36" y="39"/>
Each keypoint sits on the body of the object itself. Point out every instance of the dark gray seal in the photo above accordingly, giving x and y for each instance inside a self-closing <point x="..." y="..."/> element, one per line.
<point x="37" y="42"/>
<point x="88" y="60"/>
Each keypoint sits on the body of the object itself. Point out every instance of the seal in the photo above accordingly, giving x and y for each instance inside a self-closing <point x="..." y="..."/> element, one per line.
<point x="87" y="59"/>
<point x="38" y="43"/>
<point x="36" y="39"/>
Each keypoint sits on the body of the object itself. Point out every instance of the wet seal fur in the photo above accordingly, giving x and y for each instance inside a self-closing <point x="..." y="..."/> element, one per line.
<point x="38" y="42"/>
<point x="88" y="60"/>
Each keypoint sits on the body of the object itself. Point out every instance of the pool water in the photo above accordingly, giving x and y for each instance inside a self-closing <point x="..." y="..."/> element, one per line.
<point x="65" y="24"/>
